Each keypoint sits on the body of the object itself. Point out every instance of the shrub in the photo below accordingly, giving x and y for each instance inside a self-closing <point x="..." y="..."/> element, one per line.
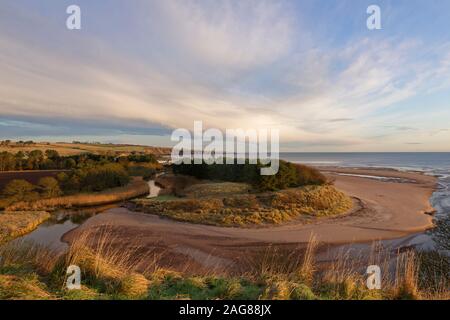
<point x="19" y="190"/>
<point x="49" y="187"/>
<point x="94" y="178"/>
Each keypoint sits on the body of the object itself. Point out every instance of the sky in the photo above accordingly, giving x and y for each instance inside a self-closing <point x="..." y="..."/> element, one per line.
<point x="139" y="69"/>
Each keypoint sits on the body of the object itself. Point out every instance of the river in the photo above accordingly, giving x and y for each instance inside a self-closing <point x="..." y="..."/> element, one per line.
<point x="51" y="231"/>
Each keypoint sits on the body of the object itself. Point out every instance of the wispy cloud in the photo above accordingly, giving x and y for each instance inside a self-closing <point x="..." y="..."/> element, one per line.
<point x="227" y="63"/>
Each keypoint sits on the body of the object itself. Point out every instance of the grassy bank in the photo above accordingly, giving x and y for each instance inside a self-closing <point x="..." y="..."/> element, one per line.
<point x="16" y="224"/>
<point x="130" y="272"/>
<point x="134" y="189"/>
<point x="215" y="204"/>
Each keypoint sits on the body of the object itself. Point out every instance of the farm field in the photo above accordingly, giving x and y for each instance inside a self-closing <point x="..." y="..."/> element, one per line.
<point x="67" y="149"/>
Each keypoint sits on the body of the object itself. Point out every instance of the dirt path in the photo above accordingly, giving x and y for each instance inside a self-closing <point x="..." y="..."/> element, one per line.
<point x="388" y="209"/>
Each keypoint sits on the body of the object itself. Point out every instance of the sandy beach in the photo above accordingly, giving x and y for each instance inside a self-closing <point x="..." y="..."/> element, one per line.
<point x="388" y="204"/>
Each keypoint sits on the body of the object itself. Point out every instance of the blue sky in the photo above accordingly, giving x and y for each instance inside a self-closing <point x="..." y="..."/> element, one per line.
<point x="139" y="69"/>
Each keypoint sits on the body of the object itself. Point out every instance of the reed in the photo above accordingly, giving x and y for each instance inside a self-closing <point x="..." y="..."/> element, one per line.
<point x="136" y="188"/>
<point x="114" y="270"/>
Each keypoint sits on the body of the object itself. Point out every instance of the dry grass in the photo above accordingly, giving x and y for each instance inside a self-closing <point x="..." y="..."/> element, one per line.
<point x="308" y="267"/>
<point x="18" y="223"/>
<point x="407" y="276"/>
<point x="112" y="266"/>
<point x="28" y="255"/>
<point x="250" y="209"/>
<point x="134" y="189"/>
<point x="215" y="189"/>
<point x="175" y="184"/>
<point x="20" y="288"/>
<point x="111" y="270"/>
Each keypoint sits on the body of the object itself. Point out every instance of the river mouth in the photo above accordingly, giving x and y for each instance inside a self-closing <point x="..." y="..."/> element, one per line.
<point x="51" y="232"/>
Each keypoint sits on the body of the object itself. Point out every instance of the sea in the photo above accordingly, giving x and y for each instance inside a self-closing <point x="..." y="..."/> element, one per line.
<point x="431" y="163"/>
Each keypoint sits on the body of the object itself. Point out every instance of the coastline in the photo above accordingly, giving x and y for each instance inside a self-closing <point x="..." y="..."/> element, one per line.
<point x="389" y="210"/>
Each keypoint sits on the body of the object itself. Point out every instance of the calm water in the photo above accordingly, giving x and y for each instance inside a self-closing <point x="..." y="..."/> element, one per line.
<point x="427" y="161"/>
<point x="436" y="164"/>
<point x="50" y="232"/>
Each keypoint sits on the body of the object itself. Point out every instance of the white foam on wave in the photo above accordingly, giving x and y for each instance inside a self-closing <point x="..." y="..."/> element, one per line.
<point x="382" y="178"/>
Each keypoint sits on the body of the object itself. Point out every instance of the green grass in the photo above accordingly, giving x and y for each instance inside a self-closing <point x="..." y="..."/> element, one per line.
<point x="166" y="197"/>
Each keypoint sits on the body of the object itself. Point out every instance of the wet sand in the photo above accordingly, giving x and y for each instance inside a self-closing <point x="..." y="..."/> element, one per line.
<point x="384" y="209"/>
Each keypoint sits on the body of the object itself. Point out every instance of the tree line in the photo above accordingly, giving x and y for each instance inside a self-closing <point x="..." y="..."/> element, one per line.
<point x="289" y="175"/>
<point x="88" y="179"/>
<point x="51" y="160"/>
<point x="84" y="173"/>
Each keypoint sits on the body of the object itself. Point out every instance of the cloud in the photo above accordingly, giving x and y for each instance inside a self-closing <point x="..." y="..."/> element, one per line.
<point x="232" y="34"/>
<point x="340" y="120"/>
<point x="249" y="64"/>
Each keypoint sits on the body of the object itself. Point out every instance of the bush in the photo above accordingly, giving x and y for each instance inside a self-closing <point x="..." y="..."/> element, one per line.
<point x="49" y="187"/>
<point x="95" y="178"/>
<point x="104" y="177"/>
<point x="19" y="190"/>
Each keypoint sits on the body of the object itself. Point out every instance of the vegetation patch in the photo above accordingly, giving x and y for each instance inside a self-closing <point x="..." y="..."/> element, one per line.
<point x="215" y="189"/>
<point x="289" y="175"/>
<point x="109" y="272"/>
<point x="68" y="175"/>
<point x="249" y="209"/>
<point x="135" y="188"/>
<point x="15" y="224"/>
<point x="22" y="288"/>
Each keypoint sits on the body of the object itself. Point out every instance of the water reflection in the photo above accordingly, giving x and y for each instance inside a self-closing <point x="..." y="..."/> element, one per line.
<point x="50" y="232"/>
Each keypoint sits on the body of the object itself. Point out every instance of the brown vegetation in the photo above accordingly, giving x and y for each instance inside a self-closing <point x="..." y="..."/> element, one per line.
<point x="119" y="272"/>
<point x="249" y="209"/>
<point x="32" y="177"/>
<point x="15" y="224"/>
<point x="134" y="189"/>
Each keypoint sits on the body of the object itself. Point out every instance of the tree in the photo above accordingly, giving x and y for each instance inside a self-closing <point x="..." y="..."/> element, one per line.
<point x="69" y="163"/>
<point x="7" y="161"/>
<point x="34" y="160"/>
<point x="49" y="187"/>
<point x="19" y="190"/>
<point x="20" y="160"/>
<point x="52" y="154"/>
